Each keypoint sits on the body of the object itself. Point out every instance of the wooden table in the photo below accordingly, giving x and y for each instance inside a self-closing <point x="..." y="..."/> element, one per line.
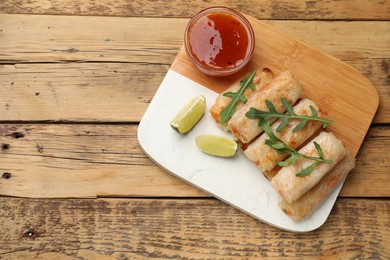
<point x="75" y="80"/>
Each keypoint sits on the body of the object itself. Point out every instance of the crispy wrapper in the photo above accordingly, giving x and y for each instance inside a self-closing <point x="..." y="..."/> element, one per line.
<point x="261" y="79"/>
<point x="264" y="156"/>
<point x="270" y="174"/>
<point x="292" y="187"/>
<point x="312" y="199"/>
<point x="285" y="85"/>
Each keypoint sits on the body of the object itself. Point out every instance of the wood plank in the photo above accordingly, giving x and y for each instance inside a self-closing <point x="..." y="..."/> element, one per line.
<point x="30" y="38"/>
<point x="108" y="92"/>
<point x="268" y="9"/>
<point x="44" y="38"/>
<point x="81" y="161"/>
<point x="131" y="229"/>
<point x="121" y="91"/>
<point x="372" y="157"/>
<point x="378" y="73"/>
<point x="50" y="161"/>
<point x="51" y="39"/>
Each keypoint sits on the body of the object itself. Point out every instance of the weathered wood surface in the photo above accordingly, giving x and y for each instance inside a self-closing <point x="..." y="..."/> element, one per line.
<point x="98" y="74"/>
<point x="266" y="9"/>
<point x="105" y="160"/>
<point x="122" y="91"/>
<point x="149" y="53"/>
<point x="117" y="92"/>
<point x="182" y="229"/>
<point x="38" y="38"/>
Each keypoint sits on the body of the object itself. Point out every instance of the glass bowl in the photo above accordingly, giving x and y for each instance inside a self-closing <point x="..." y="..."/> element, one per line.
<point x="219" y="41"/>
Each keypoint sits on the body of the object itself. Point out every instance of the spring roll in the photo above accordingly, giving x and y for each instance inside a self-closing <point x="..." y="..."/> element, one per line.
<point x="292" y="187"/>
<point x="306" y="204"/>
<point x="284" y="86"/>
<point x="261" y="79"/>
<point x="270" y="174"/>
<point x="266" y="157"/>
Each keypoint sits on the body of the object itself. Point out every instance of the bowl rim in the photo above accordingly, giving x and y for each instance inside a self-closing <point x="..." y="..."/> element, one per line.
<point x="244" y="21"/>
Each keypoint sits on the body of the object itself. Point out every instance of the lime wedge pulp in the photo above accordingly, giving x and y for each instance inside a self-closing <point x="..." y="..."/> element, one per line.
<point x="216" y="145"/>
<point x="189" y="115"/>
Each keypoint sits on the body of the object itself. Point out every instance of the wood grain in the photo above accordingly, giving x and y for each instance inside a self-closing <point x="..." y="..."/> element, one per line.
<point x="267" y="9"/>
<point x="123" y="91"/>
<point x="31" y="38"/>
<point x="53" y="62"/>
<point x="47" y="38"/>
<point x="81" y="161"/>
<point x="89" y="92"/>
<point x="172" y="229"/>
<point x="51" y="39"/>
<point x="90" y="160"/>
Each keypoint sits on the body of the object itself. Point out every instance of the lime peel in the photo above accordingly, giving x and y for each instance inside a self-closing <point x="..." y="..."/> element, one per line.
<point x="216" y="145"/>
<point x="189" y="115"/>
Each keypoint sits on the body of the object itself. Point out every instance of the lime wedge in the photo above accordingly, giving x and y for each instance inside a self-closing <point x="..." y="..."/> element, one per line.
<point x="189" y="115"/>
<point x="216" y="145"/>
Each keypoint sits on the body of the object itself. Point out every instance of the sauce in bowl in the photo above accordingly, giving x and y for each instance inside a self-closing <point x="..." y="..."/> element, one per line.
<point x="219" y="40"/>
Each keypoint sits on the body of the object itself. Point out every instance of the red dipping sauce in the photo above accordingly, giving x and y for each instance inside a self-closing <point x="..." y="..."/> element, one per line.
<point x="219" y="40"/>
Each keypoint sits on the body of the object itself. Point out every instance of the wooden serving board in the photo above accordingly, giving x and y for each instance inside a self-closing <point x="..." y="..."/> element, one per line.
<point x="347" y="96"/>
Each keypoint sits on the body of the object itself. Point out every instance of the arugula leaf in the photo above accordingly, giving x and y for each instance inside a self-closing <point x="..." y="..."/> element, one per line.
<point x="281" y="147"/>
<point x="300" y="125"/>
<point x="254" y="113"/>
<point x="319" y="150"/>
<point x="290" y="160"/>
<point x="307" y="170"/>
<point x="236" y="97"/>
<point x="310" y="168"/>
<point x="287" y="106"/>
<point x="282" y="125"/>
<point x="251" y="85"/>
<point x="270" y="106"/>
<point x="313" y="111"/>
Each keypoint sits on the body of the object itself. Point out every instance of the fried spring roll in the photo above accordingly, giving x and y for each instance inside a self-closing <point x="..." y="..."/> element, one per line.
<point x="270" y="174"/>
<point x="284" y="86"/>
<point x="266" y="157"/>
<point x="306" y="204"/>
<point x="292" y="187"/>
<point x="260" y="80"/>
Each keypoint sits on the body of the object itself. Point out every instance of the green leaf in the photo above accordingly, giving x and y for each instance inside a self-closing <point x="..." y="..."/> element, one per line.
<point x="287" y="106"/>
<point x="252" y="113"/>
<point x="272" y="113"/>
<point x="291" y="160"/>
<point x="283" y="163"/>
<point x="294" y="158"/>
<point x="300" y="125"/>
<point x="242" y="98"/>
<point x="307" y="170"/>
<point x="277" y="144"/>
<point x="319" y="150"/>
<point x="270" y="106"/>
<point x="282" y="124"/>
<point x="239" y="96"/>
<point x="229" y="94"/>
<point x="251" y="85"/>
<point x="313" y="111"/>
<point x="267" y="128"/>
<point x="325" y="124"/>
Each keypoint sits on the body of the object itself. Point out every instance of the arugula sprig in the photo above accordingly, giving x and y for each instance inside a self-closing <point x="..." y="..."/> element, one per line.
<point x="254" y="113"/>
<point x="281" y="147"/>
<point x="236" y="97"/>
